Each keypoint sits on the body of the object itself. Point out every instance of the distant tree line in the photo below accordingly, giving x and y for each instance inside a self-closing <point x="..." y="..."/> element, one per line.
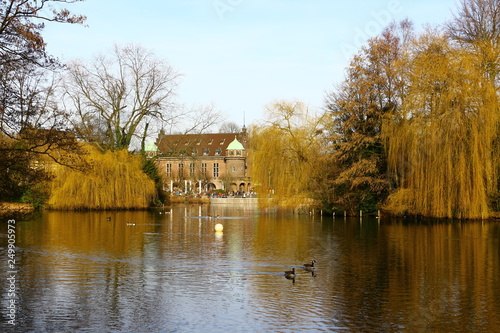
<point x="412" y="129"/>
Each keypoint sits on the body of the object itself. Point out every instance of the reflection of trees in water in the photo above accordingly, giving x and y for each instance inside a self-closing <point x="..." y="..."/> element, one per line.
<point x="396" y="274"/>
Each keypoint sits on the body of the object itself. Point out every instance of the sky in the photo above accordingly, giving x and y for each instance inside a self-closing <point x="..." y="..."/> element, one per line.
<point x="242" y="55"/>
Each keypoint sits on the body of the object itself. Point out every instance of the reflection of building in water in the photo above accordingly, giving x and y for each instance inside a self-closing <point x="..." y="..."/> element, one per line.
<point x="202" y="162"/>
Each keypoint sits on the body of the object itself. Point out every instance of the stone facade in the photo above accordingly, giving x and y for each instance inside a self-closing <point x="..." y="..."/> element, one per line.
<point x="200" y="163"/>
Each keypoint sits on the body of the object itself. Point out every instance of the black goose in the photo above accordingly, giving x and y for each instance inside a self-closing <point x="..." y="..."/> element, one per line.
<point x="310" y="267"/>
<point x="290" y="274"/>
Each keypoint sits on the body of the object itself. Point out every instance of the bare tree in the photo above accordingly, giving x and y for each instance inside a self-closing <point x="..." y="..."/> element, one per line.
<point x="115" y="96"/>
<point x="229" y="127"/>
<point x="195" y="119"/>
<point x="26" y="85"/>
<point x="476" y="25"/>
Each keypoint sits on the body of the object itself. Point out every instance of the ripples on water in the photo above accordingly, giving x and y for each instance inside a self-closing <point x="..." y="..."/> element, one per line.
<point x="169" y="273"/>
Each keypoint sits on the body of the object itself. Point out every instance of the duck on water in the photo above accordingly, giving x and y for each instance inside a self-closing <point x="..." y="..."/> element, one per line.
<point x="290" y="274"/>
<point x="310" y="267"/>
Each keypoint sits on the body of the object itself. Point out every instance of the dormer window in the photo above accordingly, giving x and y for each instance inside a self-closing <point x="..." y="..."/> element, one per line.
<point x="222" y="142"/>
<point x="206" y="151"/>
<point x="211" y="141"/>
<point x="218" y="151"/>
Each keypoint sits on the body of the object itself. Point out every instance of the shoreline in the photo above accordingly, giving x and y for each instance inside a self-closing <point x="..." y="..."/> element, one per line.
<point x="7" y="208"/>
<point x="10" y="208"/>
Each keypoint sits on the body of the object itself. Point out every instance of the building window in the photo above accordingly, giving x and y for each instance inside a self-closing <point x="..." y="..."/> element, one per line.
<point x="234" y="169"/>
<point x="216" y="170"/>
<point x="169" y="170"/>
<point x="191" y="169"/>
<point x="181" y="170"/>
<point x="204" y="169"/>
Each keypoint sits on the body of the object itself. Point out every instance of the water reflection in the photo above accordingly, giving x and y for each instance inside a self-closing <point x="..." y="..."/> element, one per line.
<point x="172" y="271"/>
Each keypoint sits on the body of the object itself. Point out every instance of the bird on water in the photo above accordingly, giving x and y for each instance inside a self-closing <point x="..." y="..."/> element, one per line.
<point x="310" y="267"/>
<point x="290" y="274"/>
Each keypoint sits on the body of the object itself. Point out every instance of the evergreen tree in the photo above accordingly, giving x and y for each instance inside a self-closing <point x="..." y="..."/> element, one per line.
<point x="373" y="87"/>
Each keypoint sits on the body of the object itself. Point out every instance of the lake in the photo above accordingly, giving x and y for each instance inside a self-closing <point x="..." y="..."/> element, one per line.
<point x="169" y="271"/>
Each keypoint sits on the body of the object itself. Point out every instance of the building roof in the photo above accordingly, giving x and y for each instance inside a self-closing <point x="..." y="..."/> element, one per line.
<point x="150" y="146"/>
<point x="214" y="144"/>
<point x="235" y="145"/>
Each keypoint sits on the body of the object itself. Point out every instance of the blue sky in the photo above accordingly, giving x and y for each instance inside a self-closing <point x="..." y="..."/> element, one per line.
<point x="241" y="55"/>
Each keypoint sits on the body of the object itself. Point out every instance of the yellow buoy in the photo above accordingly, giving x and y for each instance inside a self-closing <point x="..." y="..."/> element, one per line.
<point x="219" y="227"/>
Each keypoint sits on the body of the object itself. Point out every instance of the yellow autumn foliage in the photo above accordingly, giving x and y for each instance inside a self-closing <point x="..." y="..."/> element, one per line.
<point x="441" y="145"/>
<point x="113" y="180"/>
<point x="286" y="154"/>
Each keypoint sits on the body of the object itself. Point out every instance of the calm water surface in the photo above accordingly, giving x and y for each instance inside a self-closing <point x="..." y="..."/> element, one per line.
<point x="79" y="272"/>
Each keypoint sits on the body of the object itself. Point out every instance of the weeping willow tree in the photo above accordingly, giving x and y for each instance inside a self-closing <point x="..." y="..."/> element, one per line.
<point x="286" y="153"/>
<point x="476" y="27"/>
<point x="113" y="180"/>
<point x="441" y="143"/>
